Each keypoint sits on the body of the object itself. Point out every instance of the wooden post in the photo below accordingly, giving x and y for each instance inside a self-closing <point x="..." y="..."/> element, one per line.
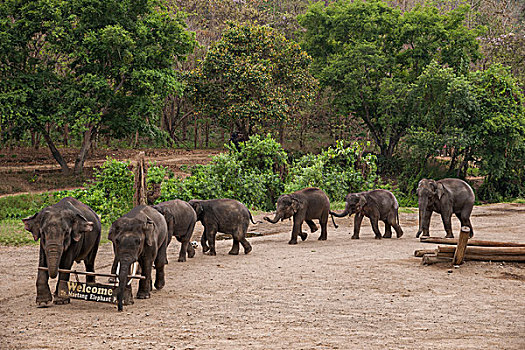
<point x="140" y="197"/>
<point x="462" y="245"/>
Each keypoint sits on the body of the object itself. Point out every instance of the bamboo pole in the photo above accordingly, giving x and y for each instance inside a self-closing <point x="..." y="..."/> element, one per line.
<point x="471" y="242"/>
<point x="459" y="253"/>
<point x="92" y="273"/>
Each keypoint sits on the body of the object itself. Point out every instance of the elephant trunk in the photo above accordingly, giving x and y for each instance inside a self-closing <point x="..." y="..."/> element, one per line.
<point x="122" y="282"/>
<point x="276" y="218"/>
<point x="343" y="214"/>
<point x="53" y="255"/>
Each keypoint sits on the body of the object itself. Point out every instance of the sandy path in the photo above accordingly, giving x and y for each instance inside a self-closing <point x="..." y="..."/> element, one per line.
<point x="337" y="294"/>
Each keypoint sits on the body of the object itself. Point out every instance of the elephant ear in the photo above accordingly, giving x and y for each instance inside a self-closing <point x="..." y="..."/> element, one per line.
<point x="149" y="228"/>
<point x="440" y="190"/>
<point x="32" y="225"/>
<point x="297" y="203"/>
<point x="112" y="231"/>
<point x="81" y="225"/>
<point x="197" y="207"/>
<point x="361" y="203"/>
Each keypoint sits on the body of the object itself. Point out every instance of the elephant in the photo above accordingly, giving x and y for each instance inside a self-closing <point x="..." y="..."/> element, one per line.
<point x="68" y="231"/>
<point x="181" y="219"/>
<point x="375" y="205"/>
<point x="226" y="216"/>
<point x="304" y="205"/>
<point x="445" y="197"/>
<point x="140" y="235"/>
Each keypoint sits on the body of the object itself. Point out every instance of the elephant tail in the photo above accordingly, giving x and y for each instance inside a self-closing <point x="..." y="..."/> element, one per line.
<point x="251" y="219"/>
<point x="333" y="221"/>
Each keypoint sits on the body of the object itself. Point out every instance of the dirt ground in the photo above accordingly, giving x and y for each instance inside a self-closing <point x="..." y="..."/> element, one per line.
<point x="334" y="294"/>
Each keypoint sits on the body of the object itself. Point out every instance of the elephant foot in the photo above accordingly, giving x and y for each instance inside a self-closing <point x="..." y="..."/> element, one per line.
<point x="389" y="235"/>
<point x="234" y="252"/>
<point x="313" y="229"/>
<point x="303" y="236"/>
<point x="159" y="285"/>
<point x="205" y="248"/>
<point x="355" y="237"/>
<point x="143" y="295"/>
<point x="44" y="300"/>
<point x="321" y="238"/>
<point x="182" y="259"/>
<point x="247" y="250"/>
<point x="449" y="235"/>
<point x="378" y="237"/>
<point x="418" y="234"/>
<point x="61" y="301"/>
<point x="292" y="241"/>
<point x="191" y="253"/>
<point x="212" y="252"/>
<point x="399" y="235"/>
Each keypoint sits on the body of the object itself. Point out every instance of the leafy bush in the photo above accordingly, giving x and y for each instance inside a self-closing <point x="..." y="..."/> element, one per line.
<point x="337" y="171"/>
<point x="24" y="205"/>
<point x="109" y="194"/>
<point x="252" y="174"/>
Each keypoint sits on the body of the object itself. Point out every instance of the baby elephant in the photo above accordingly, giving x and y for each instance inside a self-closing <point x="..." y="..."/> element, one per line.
<point x="140" y="235"/>
<point x="304" y="206"/>
<point x="376" y="205"/>
<point x="226" y="216"/>
<point x="181" y="219"/>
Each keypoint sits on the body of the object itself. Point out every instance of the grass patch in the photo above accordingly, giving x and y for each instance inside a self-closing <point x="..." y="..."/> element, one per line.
<point x="12" y="233"/>
<point x="408" y="210"/>
<point x="24" y="205"/>
<point x="337" y="205"/>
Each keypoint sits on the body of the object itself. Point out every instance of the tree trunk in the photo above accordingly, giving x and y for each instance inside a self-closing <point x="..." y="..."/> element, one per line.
<point x="54" y="151"/>
<point x="86" y="145"/>
<point x="196" y="134"/>
<point x="66" y="135"/>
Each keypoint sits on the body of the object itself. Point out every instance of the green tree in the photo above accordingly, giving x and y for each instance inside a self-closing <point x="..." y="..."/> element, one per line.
<point x="87" y="64"/>
<point x="370" y="53"/>
<point x="253" y="76"/>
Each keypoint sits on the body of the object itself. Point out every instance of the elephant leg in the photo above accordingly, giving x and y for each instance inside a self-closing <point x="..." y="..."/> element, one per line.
<point x="358" y="219"/>
<point x="145" y="284"/>
<point x="464" y="218"/>
<point x="375" y="227"/>
<point x="296" y="230"/>
<point x="190" y="251"/>
<point x="160" y="261"/>
<point x="447" y="223"/>
<point x="324" y="232"/>
<point x="395" y="224"/>
<point x="43" y="293"/>
<point x="246" y="245"/>
<point x="204" y="243"/>
<point x="65" y="263"/>
<point x="89" y="263"/>
<point x="426" y="223"/>
<point x="235" y="246"/>
<point x="311" y="225"/>
<point x="210" y="236"/>
<point x="388" y="229"/>
<point x="184" y="247"/>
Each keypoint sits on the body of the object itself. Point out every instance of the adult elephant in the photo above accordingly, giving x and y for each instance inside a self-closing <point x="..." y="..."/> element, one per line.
<point x="375" y="205"/>
<point x="304" y="205"/>
<point x="68" y="231"/>
<point x="223" y="215"/>
<point x="181" y="219"/>
<point x="445" y="197"/>
<point x="140" y="235"/>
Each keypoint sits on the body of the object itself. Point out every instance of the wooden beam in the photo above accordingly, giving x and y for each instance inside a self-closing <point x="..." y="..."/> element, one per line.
<point x="429" y="259"/>
<point x="485" y="250"/>
<point x="471" y="242"/>
<point x="459" y="253"/>
<point x="420" y="252"/>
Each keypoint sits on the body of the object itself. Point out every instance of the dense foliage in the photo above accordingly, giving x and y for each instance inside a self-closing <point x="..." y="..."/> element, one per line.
<point x="252" y="76"/>
<point x="90" y="66"/>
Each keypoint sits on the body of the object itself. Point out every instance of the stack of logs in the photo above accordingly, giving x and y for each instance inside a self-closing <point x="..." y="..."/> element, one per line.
<point x="457" y="250"/>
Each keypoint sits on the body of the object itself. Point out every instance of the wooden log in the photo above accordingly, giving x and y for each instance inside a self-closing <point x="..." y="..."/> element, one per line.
<point x="464" y="235"/>
<point x="471" y="242"/>
<point x="140" y="194"/>
<point x="514" y="258"/>
<point x="96" y="274"/>
<point x="485" y="250"/>
<point x="420" y="252"/>
<point x="429" y="259"/>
